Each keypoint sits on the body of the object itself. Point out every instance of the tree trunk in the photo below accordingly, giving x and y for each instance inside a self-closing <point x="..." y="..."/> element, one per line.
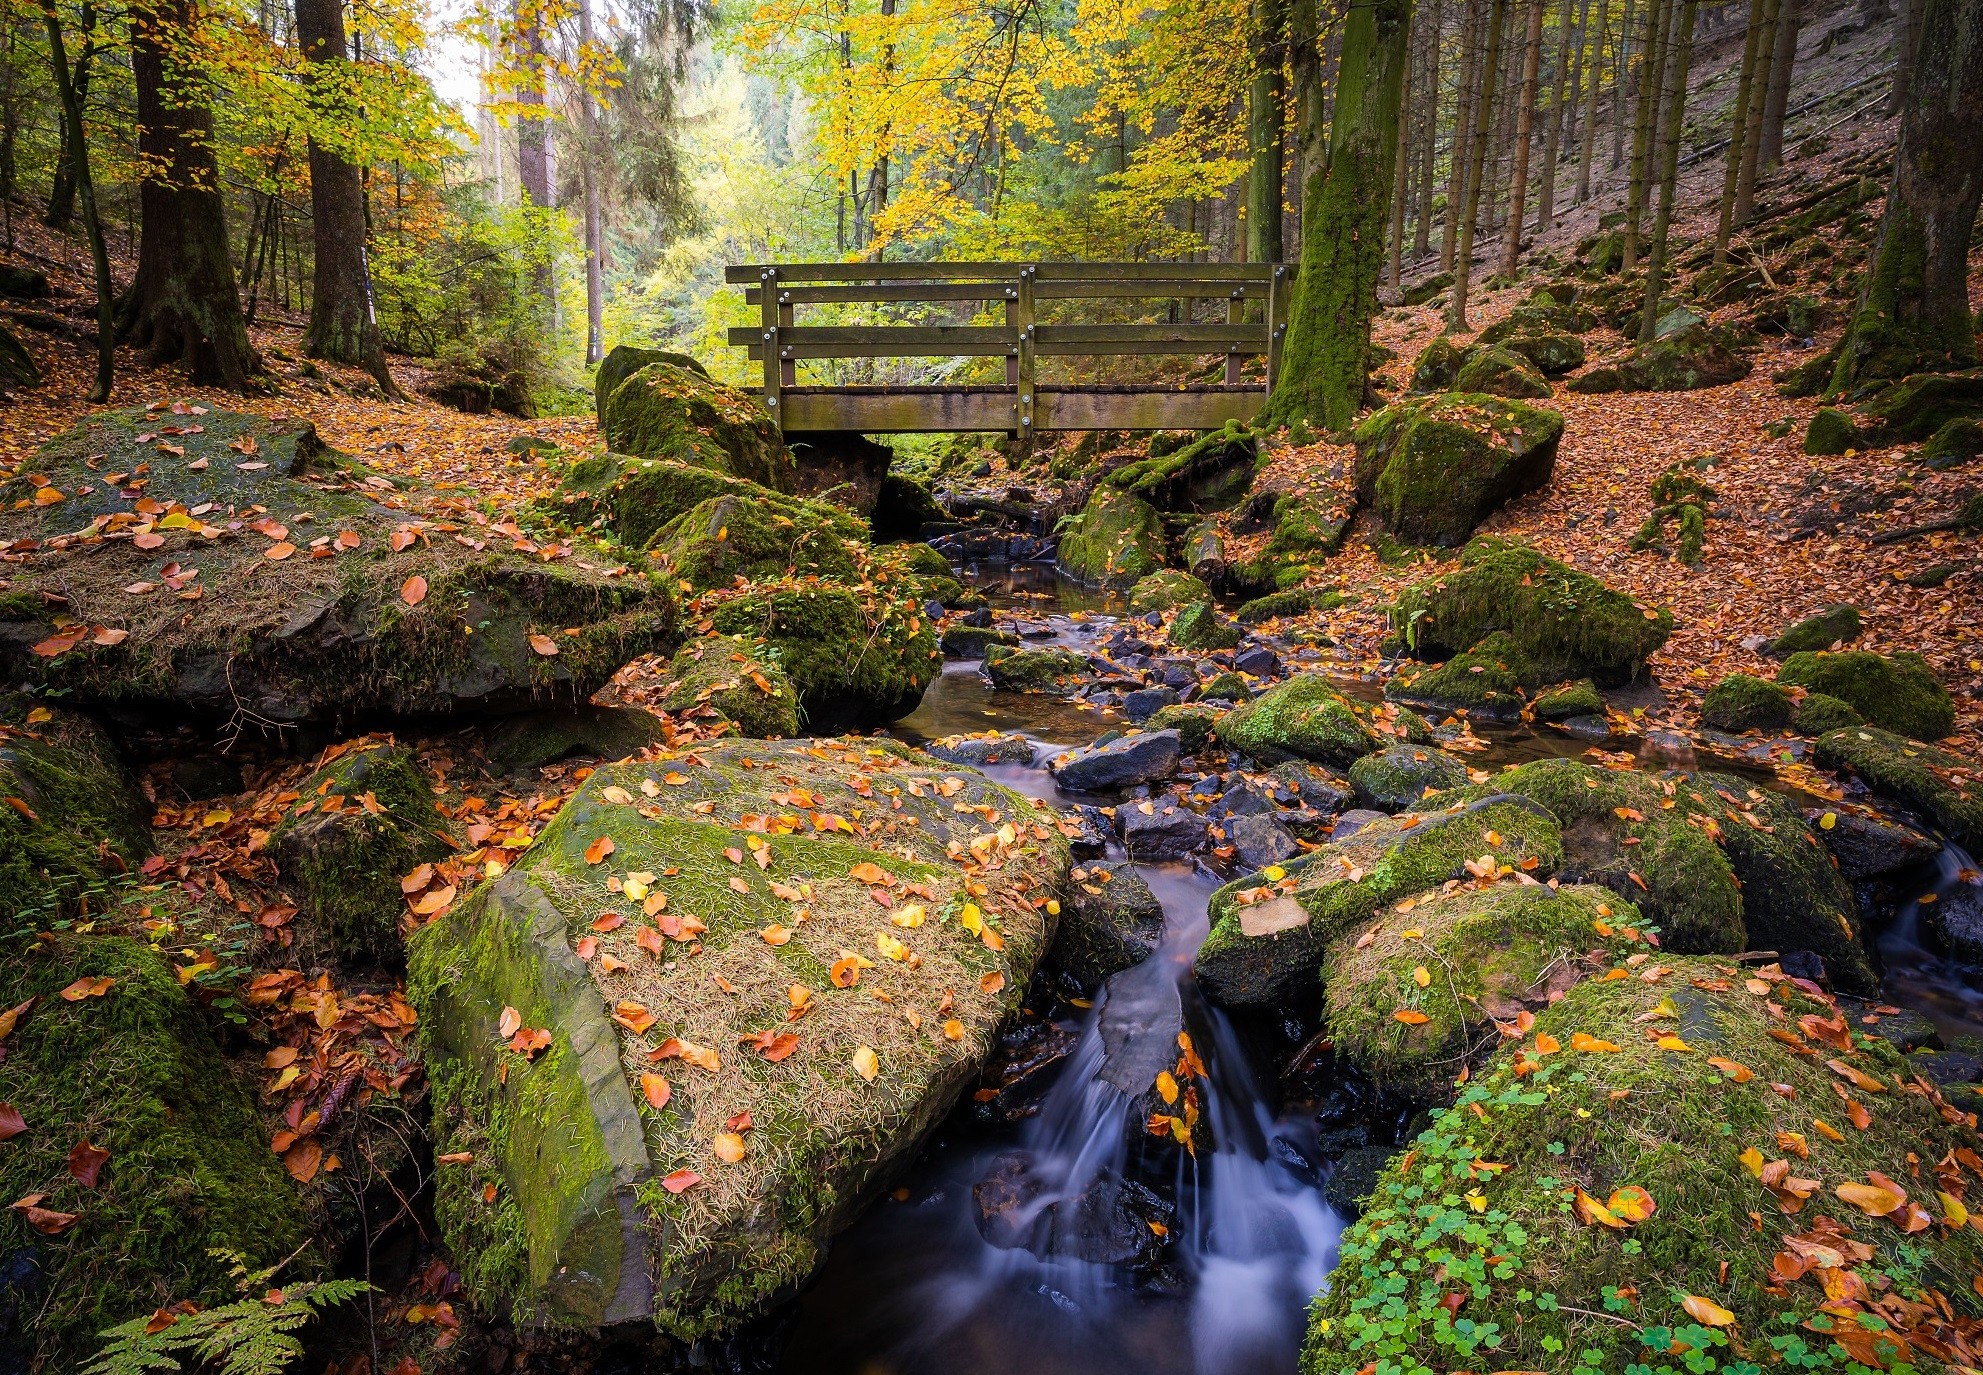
<point x="1907" y="37"/>
<point x="1620" y="80"/>
<point x="1913" y="313"/>
<point x="1428" y="108"/>
<point x="533" y="140"/>
<point x="343" y="327"/>
<point x="1466" y="103"/>
<point x="1675" y="107"/>
<point x="1564" y="96"/>
<point x="1511" y="246"/>
<point x="1645" y="124"/>
<point x="76" y="138"/>
<point x="62" y="194"/>
<point x="1590" y="107"/>
<point x="182" y="306"/>
<point x="1752" y="134"/>
<point x="595" y="247"/>
<point x="1325" y="364"/>
<point x="1266" y="121"/>
<point x="1776" y="100"/>
<point x="1456" y="310"/>
<point x="1401" y="168"/>
<point x="1738" y="130"/>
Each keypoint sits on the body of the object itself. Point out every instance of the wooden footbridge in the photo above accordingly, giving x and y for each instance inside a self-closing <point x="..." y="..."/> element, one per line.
<point x="1021" y="405"/>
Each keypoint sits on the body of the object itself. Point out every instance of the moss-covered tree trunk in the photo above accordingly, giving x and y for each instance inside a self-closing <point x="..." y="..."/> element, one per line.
<point x="1645" y="124"/>
<point x="1752" y="128"/>
<point x="1590" y="102"/>
<point x="182" y="306"/>
<point x="1675" y="103"/>
<point x="1325" y="363"/>
<point x="1463" y="127"/>
<point x="1738" y="128"/>
<point x="1913" y="313"/>
<point x="1265" y="130"/>
<point x="343" y="326"/>
<point x="1430" y="35"/>
<point x="1563" y="102"/>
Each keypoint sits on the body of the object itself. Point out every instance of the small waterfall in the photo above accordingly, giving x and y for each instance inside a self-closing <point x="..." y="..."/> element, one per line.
<point x="1947" y="991"/>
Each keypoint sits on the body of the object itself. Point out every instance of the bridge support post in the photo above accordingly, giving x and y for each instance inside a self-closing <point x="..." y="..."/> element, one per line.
<point x="1027" y="392"/>
<point x="769" y="313"/>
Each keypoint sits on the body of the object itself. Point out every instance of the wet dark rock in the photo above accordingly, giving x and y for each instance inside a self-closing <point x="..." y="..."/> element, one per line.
<point x="1591" y="728"/>
<point x="1352" y="821"/>
<point x="533" y="739"/>
<point x="1109" y="921"/>
<point x="1905" y="1030"/>
<point x="1300" y="783"/>
<point x="1869" y="846"/>
<point x="1353" y="1176"/>
<point x="1088" y="829"/>
<point x="1107" y="1223"/>
<point x="1260" y="661"/>
<point x="969" y="641"/>
<point x="1121" y="763"/>
<point x="1956" y="1065"/>
<point x="1954" y="921"/>
<point x="1180" y="676"/>
<point x="1147" y="702"/>
<point x="1240" y="799"/>
<point x="1166" y="831"/>
<point x="978" y="750"/>
<point x="1260" y="840"/>
<point x="1018" y="1074"/>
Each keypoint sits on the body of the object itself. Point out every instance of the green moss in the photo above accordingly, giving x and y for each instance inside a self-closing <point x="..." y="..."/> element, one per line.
<point x="634" y="497"/>
<point x="1194" y="724"/>
<point x="84" y="824"/>
<point x="1700" y="355"/>
<point x="731" y="537"/>
<point x="1035" y="670"/>
<point x="1295" y="601"/>
<point x="1303" y="718"/>
<point x="748" y="689"/>
<point x="1820" y="713"/>
<point x="1116" y="540"/>
<point x="1481" y="1204"/>
<point x="623" y="362"/>
<point x="346" y="862"/>
<point x="1619" y="831"/>
<point x="1227" y="687"/>
<point x="1494" y="371"/>
<point x="1914" y="408"/>
<point x="1210" y="473"/>
<point x="1580" y="698"/>
<point x="1306" y="525"/>
<point x="134" y="1072"/>
<point x="1437" y="366"/>
<point x="1398" y="779"/>
<point x="1954" y="444"/>
<point x="1549" y="353"/>
<point x="852" y="657"/>
<point x="669" y="412"/>
<point x="1742" y="702"/>
<point x="1485" y="682"/>
<point x="1821" y="630"/>
<point x="1165" y="589"/>
<point x="1432" y="470"/>
<point x="1896" y="692"/>
<point x="1198" y="627"/>
<point x="1830" y="433"/>
<point x="1340" y="888"/>
<point x="1946" y="788"/>
<point x="1567" y="623"/>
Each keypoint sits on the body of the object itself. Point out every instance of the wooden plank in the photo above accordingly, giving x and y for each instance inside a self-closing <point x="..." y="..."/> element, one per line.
<point x="1235" y="314"/>
<point x="888" y="412"/>
<point x="1211" y="338"/>
<point x="1132" y="349"/>
<point x="899" y="410"/>
<point x="1075" y="409"/>
<point x="743" y="274"/>
<point x="926" y="291"/>
<point x="768" y="341"/>
<point x="938" y="338"/>
<point x="1156" y="290"/>
<point x="1028" y="342"/>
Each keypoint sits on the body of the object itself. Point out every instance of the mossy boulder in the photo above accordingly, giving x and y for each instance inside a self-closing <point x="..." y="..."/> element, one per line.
<point x="1830" y="433"/>
<point x="617" y="1201"/>
<point x="1619" y="831"/>
<point x="663" y="411"/>
<point x="1116" y="539"/>
<point x="1226" y="687"/>
<point x="974" y="641"/>
<point x="17" y="365"/>
<point x="1438" y="366"/>
<point x="730" y="537"/>
<point x="134" y="1072"/>
<point x="1271" y="931"/>
<point x="735" y="679"/>
<point x="1210" y="473"/>
<point x="1694" y="356"/>
<point x="1194" y="724"/>
<point x="854" y="657"/>
<point x="1303" y="718"/>
<point x="1945" y="788"/>
<point x="633" y="498"/>
<point x="284" y="600"/>
<point x="1485" y="682"/>
<point x="1548" y="353"/>
<point x="903" y="507"/>
<point x="80" y="824"/>
<point x="1199" y="627"/>
<point x="1565" y="622"/>
<point x="1493" y="371"/>
<point x="1741" y="702"/>
<point x="1580" y="698"/>
<point x="1488" y="951"/>
<point x="1954" y="444"/>
<point x="1399" y="778"/>
<point x="1914" y="408"/>
<point x="623" y="362"/>
<point x="1305" y="524"/>
<point x="1894" y="691"/>
<point x="1834" y="625"/>
<point x="1683" y="1090"/>
<point x="532" y="739"/>
<point x="1165" y="590"/>
<point x="363" y="820"/>
<point x="1109" y="921"/>
<point x="1433" y="470"/>
<point x="1296" y="601"/>
<point x="1820" y="713"/>
<point x="1035" y="670"/>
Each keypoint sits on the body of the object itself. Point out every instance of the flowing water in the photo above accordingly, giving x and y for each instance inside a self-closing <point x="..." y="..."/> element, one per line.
<point x="1246" y="1238"/>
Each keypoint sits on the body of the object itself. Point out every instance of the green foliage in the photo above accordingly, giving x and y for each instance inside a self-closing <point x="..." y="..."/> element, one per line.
<point x="254" y="1335"/>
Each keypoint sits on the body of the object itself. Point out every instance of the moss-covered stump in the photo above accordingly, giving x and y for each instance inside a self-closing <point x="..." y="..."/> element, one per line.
<point x="1944" y="788"/>
<point x="364" y="820"/>
<point x="1271" y="930"/>
<point x="72" y="823"/>
<point x="1116" y="539"/>
<point x="1580" y="698"/>
<point x="623" y="362"/>
<point x="1109" y="921"/>
<point x="745" y="687"/>
<point x="1484" y="683"/>
<point x="1433" y="470"/>
<point x="1512" y="1233"/>
<point x="1417" y="1001"/>
<point x="1898" y="692"/>
<point x="665" y="1153"/>
<point x="1303" y="718"/>
<point x="1696" y="356"/>
<point x="1743" y="702"/>
<point x="1830" y="433"/>
<point x="1035" y="670"/>
<point x="1548" y="353"/>
<point x="1210" y="473"/>
<point x="1199" y="627"/>
<point x="1494" y="371"/>
<point x="1399" y="778"/>
<point x="663" y="411"/>
<point x="132" y="1071"/>
<point x="1165" y="590"/>
<point x="714" y="543"/>
<point x="1620" y="831"/>
<point x="304" y="590"/>
<point x="1566" y="623"/>
<point x="1826" y="629"/>
<point x="854" y="657"/>
<point x="632" y="498"/>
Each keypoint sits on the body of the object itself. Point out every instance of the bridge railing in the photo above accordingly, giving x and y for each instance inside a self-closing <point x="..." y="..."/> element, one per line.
<point x="1022" y="405"/>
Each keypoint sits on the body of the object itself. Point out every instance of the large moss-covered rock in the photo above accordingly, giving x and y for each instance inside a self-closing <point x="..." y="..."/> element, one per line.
<point x="730" y="537"/>
<point x="1742" y="702"/>
<point x="1303" y="718"/>
<point x="1678" y="1086"/>
<point x="365" y="818"/>
<point x="1820" y="713"/>
<point x="1165" y="590"/>
<point x="1493" y="371"/>
<point x="1895" y="691"/>
<point x="614" y="1200"/>
<point x="1199" y="627"/>
<point x="855" y="657"/>
<point x="1945" y="788"/>
<point x="79" y="824"/>
<point x="1433" y="470"/>
<point x="1566" y="623"/>
<point x="1820" y="630"/>
<point x="1034" y="670"/>
<point x="1688" y="359"/>
<point x="1485" y="682"/>
<point x="134" y="1072"/>
<point x="1117" y="539"/>
<point x="532" y="739"/>
<point x="1487" y="951"/>
<point x="1271" y="931"/>
<point x="623" y="362"/>
<point x="237" y="570"/>
<point x="1193" y="722"/>
<point x="1548" y="353"/>
<point x="1831" y="432"/>
<point x="729" y="675"/>
<point x="663" y="411"/>
<point x="1438" y="366"/>
<point x="1953" y="445"/>
<point x="1571" y="700"/>
<point x="1399" y="778"/>
<point x="1210" y="473"/>
<point x="1914" y="408"/>
<point x="633" y="498"/>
